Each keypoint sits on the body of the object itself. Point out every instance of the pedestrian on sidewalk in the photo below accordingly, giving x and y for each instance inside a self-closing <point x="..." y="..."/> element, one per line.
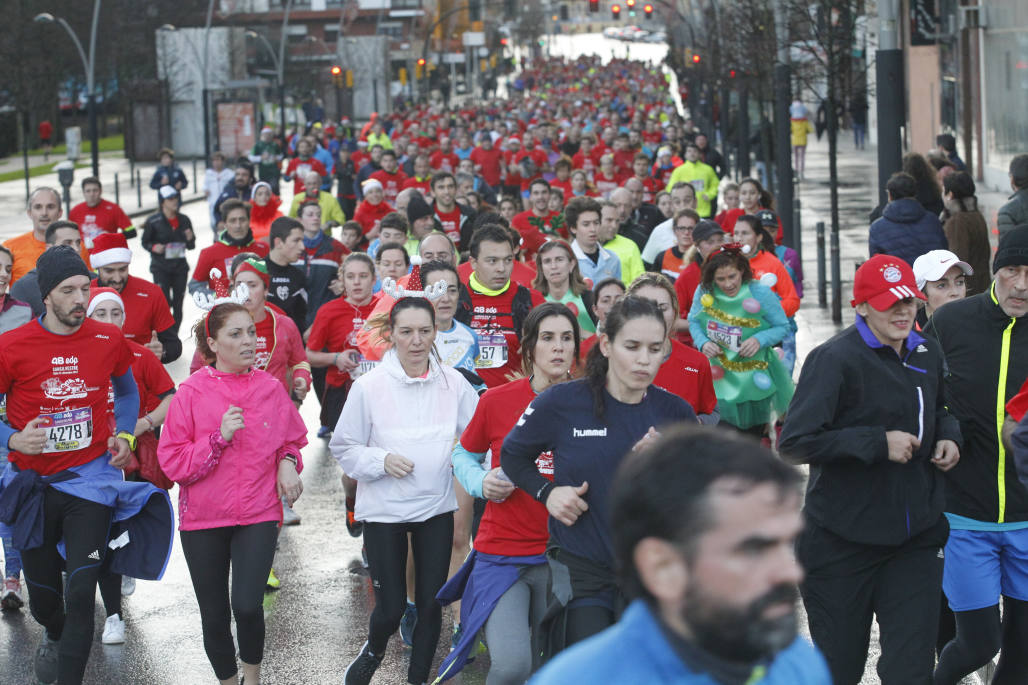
<point x="869" y="416"/>
<point x="168" y="173"/>
<point x="966" y="230"/>
<point x="1015" y="211"/>
<point x="905" y="230"/>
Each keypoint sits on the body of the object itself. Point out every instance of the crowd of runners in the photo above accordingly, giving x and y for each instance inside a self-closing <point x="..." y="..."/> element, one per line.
<point x="553" y="347"/>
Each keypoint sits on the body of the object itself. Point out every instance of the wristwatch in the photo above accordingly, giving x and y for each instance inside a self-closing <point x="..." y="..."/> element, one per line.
<point x="129" y="438"/>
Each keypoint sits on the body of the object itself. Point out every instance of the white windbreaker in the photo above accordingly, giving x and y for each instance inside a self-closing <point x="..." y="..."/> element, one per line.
<point x="417" y="418"/>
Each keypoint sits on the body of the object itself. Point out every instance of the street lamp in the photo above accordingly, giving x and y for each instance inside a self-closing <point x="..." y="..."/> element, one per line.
<point x="88" y="64"/>
<point x="280" y="76"/>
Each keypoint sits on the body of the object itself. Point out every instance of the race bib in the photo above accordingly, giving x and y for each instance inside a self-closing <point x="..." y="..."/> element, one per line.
<point x="728" y="337"/>
<point x="174" y="250"/>
<point x="492" y="351"/>
<point x="697" y="185"/>
<point x="67" y="431"/>
<point x="89" y="233"/>
<point x="363" y="366"/>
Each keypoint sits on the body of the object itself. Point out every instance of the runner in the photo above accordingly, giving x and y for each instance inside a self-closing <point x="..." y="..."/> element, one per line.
<point x="237" y="237"/>
<point x="503" y="583"/>
<point x="95" y="215"/>
<point x="166" y="236"/>
<point x="232" y="442"/>
<point x="559" y="280"/>
<point x="870" y="418"/>
<point x="288" y="285"/>
<point x="707" y="239"/>
<point x="685" y="371"/>
<point x="64" y="481"/>
<point x="406" y="487"/>
<point x="27" y="287"/>
<point x="148" y="319"/>
<point x="589" y="425"/>
<point x="44" y="208"/>
<point x="708" y="607"/>
<point x="595" y="262"/>
<point x="155" y="389"/>
<point x="942" y="277"/>
<point x="735" y="321"/>
<point x="985" y="341"/>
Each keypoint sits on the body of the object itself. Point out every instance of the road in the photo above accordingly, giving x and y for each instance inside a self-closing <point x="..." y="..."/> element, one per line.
<point x="317" y="621"/>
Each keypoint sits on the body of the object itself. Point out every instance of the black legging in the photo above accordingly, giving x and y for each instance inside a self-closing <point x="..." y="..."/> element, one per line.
<point x="386" y="545"/>
<point x="585" y="621"/>
<point x="174" y="287"/>
<point x="249" y="550"/>
<point x="84" y="526"/>
<point x="979" y="636"/>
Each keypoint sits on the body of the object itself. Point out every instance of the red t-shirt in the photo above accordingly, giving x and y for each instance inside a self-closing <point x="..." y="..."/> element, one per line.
<point x="146" y="310"/>
<point x="686" y="373"/>
<point x="369" y="215"/>
<point x="335" y="329"/>
<point x="727" y="218"/>
<point x="650" y="188"/>
<point x="106" y="217"/>
<point x="685" y="288"/>
<point x="490" y="162"/>
<point x="587" y="163"/>
<point x="623" y="160"/>
<point x="444" y="161"/>
<point x="63" y="378"/>
<point x="220" y="256"/>
<point x="151" y="378"/>
<point x="513" y="177"/>
<point x="450" y="221"/>
<point x="517" y="526"/>
<point x="605" y="184"/>
<point x="392" y="183"/>
<point x="493" y="323"/>
<point x="1018" y="404"/>
<point x="298" y="168"/>
<point x="424" y="185"/>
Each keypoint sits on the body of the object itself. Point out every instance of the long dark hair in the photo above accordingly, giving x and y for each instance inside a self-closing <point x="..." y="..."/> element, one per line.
<point x="764" y="198"/>
<point x="624" y="310"/>
<point x="961" y="184"/>
<point x="724" y="258"/>
<point x="530" y="331"/>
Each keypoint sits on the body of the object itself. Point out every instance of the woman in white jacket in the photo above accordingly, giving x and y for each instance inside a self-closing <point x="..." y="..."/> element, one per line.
<point x="394" y="438"/>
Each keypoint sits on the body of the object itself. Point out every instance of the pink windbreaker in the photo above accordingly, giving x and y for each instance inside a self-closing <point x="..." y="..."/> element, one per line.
<point x="229" y="483"/>
<point x="288" y="356"/>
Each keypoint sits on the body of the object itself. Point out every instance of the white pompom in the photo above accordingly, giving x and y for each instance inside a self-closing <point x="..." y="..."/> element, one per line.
<point x="215" y="273"/>
<point x="769" y="279"/>
<point x="746" y="249"/>
<point x="416" y="260"/>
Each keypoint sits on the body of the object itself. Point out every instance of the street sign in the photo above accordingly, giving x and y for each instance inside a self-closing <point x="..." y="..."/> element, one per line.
<point x="453" y="58"/>
<point x="473" y="39"/>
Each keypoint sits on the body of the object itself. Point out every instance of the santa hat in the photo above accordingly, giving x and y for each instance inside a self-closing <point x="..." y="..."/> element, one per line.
<point x="98" y="295"/>
<point x="110" y="248"/>
<point x="370" y="184"/>
<point x="414" y="286"/>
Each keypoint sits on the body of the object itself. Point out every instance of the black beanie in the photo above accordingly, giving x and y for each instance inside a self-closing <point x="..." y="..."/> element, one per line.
<point x="1013" y="248"/>
<point x="417" y="208"/>
<point x="56" y="264"/>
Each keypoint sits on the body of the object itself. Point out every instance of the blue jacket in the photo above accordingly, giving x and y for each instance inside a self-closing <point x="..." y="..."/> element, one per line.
<point x="906" y="230"/>
<point x="635" y="650"/>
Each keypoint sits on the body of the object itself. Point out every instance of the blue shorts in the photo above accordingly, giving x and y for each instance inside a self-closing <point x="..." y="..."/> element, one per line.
<point x="982" y="565"/>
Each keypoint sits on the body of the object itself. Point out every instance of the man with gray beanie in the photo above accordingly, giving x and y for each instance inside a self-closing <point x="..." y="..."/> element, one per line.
<point x="65" y="481"/>
<point x="985" y="343"/>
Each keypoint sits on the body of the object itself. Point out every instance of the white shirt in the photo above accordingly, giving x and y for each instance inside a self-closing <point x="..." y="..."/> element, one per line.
<point x="661" y="238"/>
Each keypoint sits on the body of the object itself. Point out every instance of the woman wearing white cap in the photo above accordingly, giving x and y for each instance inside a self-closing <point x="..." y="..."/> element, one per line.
<point x="942" y="277"/>
<point x="372" y="208"/>
<point x="265" y="209"/>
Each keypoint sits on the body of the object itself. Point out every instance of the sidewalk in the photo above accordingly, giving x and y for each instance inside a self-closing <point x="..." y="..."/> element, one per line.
<point x="112" y="166"/>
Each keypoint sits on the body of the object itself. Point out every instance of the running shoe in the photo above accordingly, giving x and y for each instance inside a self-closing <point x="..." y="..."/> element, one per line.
<point x="364" y="556"/>
<point x="11" y="599"/>
<point x="289" y="517"/>
<point x="353" y="526"/>
<point x="324" y="432"/>
<point x="407" y="623"/>
<point x="476" y="649"/>
<point x="114" y="631"/>
<point x="361" y="669"/>
<point x="46" y="660"/>
<point x="273" y="582"/>
<point x="128" y="585"/>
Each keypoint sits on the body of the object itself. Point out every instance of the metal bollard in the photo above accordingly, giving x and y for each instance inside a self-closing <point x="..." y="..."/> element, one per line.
<point x="132" y="172"/>
<point x="139" y="190"/>
<point x="822" y="285"/>
<point x="836" y="277"/>
<point x="797" y="229"/>
<point x="196" y="182"/>
<point x="117" y="194"/>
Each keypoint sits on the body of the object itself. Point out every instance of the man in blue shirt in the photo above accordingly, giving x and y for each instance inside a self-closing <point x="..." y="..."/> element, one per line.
<point x="705" y="543"/>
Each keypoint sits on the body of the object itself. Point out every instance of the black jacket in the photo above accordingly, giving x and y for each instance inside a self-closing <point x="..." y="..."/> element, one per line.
<point x="972" y="332"/>
<point x="851" y="391"/>
<point x="287" y="290"/>
<point x="158" y="231"/>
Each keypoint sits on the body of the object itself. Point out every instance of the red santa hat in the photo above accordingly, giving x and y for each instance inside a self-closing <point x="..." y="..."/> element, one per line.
<point x="110" y="248"/>
<point x="98" y="295"/>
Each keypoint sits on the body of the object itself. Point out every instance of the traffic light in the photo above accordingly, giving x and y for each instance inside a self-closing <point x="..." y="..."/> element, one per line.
<point x="731" y="73"/>
<point x="594" y="6"/>
<point x="337" y="76"/>
<point x="349" y="78"/>
<point x="403" y="76"/>
<point x="648" y="11"/>
<point x="631" y="7"/>
<point x="615" y="12"/>
<point x="419" y="68"/>
<point x="695" y="58"/>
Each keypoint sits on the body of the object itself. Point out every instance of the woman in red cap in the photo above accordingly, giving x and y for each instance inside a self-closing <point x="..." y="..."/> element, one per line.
<point x="870" y="418"/>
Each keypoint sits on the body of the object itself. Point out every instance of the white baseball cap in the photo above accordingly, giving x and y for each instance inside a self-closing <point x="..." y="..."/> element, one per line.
<point x="933" y="265"/>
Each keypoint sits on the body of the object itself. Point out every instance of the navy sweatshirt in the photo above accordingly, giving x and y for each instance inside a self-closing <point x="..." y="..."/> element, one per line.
<point x="585" y="448"/>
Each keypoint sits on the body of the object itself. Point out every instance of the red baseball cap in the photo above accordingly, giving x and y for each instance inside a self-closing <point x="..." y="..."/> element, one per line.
<point x="884" y="280"/>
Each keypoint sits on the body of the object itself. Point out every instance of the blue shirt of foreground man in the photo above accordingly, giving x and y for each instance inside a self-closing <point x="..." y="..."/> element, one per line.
<point x="704" y="535"/>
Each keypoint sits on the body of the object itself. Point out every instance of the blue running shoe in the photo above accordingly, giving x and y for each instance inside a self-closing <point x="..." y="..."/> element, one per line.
<point x="407" y="623"/>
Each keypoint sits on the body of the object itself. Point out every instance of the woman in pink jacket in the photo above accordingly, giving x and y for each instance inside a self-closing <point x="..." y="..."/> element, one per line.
<point x="232" y="442"/>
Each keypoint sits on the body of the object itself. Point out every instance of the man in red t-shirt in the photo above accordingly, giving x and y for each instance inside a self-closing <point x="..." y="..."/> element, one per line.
<point x="488" y="161"/>
<point x="301" y="165"/>
<point x="148" y="319"/>
<point x="55" y="373"/>
<point x="372" y="208"/>
<point x="531" y="159"/>
<point x="452" y="217"/>
<point x="444" y="159"/>
<point x="237" y="238"/>
<point x="390" y="176"/>
<point x="97" y="215"/>
<point x="538" y="224"/>
<point x="422" y="178"/>
<point x="588" y="156"/>
<point x="512" y="181"/>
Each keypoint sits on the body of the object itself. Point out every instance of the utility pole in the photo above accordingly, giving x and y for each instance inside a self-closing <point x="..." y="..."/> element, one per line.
<point x="889" y="92"/>
<point x="783" y="150"/>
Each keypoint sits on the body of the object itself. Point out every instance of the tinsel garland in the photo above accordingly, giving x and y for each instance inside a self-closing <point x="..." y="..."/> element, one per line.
<point x="738" y="367"/>
<point x="730" y="319"/>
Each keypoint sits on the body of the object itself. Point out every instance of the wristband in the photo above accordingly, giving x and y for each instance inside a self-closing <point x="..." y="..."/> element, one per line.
<point x="129" y="438"/>
<point x="335" y="359"/>
<point x="149" y="420"/>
